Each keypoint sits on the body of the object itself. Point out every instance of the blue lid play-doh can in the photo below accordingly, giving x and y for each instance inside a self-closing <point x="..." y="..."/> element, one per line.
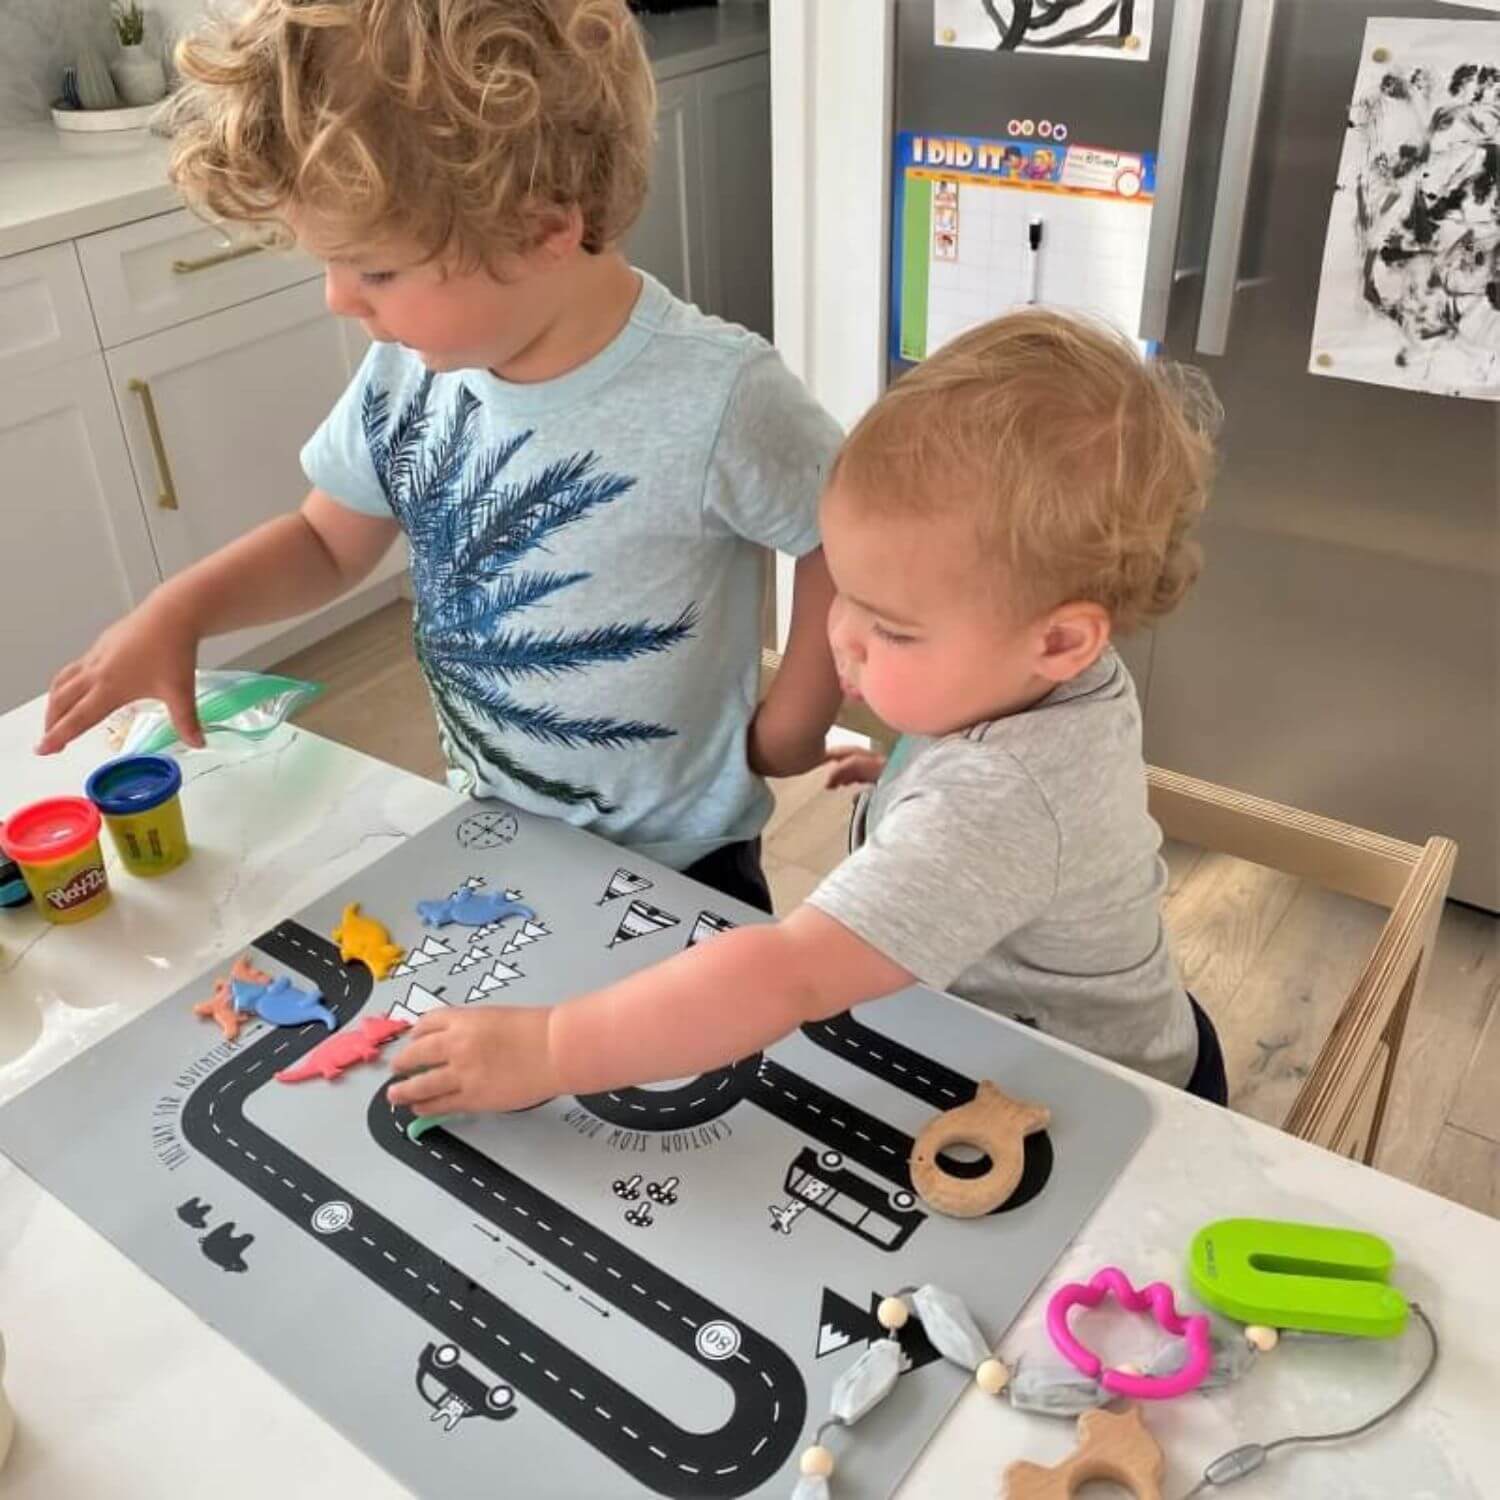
<point x="137" y="795"/>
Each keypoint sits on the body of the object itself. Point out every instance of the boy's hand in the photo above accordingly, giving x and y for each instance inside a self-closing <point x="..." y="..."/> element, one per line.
<point x="151" y="653"/>
<point x="848" y="765"/>
<point x="288" y="566"/>
<point x="488" y="1058"/>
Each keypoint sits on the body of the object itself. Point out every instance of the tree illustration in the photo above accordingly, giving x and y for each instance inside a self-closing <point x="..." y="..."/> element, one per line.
<point x="470" y="530"/>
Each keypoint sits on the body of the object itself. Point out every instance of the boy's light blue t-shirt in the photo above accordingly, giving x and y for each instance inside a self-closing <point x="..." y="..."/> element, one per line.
<point x="586" y="560"/>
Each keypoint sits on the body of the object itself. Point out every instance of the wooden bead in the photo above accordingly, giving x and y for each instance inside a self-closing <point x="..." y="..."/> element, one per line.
<point x="892" y="1314"/>
<point x="992" y="1377"/>
<point x="816" y="1461"/>
<point x="1264" y="1339"/>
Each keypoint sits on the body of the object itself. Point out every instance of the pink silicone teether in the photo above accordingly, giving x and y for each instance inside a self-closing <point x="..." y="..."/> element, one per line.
<point x="1156" y="1299"/>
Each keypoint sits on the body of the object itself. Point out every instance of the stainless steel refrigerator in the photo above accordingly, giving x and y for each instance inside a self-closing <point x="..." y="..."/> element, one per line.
<point x="1342" y="651"/>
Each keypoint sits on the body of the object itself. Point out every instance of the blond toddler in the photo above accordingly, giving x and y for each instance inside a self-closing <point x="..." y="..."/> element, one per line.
<point x="992" y="523"/>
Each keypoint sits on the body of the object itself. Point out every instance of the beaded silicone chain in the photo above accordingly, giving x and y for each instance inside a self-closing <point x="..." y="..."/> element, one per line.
<point x="1212" y="1362"/>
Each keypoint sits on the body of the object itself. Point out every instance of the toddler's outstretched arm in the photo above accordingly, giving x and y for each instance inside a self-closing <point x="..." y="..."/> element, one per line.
<point x="706" y="1007"/>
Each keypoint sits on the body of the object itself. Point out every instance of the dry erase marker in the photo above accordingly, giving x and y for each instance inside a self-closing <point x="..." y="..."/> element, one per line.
<point x="1033" y="259"/>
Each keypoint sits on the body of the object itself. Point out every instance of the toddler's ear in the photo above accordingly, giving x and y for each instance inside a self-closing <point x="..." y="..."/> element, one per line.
<point x="1073" y="637"/>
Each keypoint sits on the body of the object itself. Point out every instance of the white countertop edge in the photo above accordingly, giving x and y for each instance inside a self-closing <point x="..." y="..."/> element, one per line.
<point x="88" y="218"/>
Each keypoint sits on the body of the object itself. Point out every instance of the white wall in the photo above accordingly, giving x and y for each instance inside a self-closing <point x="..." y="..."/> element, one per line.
<point x="831" y="72"/>
<point x="38" y="38"/>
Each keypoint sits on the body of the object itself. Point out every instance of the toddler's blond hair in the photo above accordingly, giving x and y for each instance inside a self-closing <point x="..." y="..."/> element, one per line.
<point x="467" y="127"/>
<point x="1083" y="467"/>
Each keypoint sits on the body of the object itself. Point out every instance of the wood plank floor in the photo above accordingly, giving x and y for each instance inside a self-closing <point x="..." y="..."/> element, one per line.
<point x="1269" y="957"/>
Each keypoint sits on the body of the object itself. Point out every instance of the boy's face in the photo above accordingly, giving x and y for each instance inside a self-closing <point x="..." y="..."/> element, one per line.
<point x="926" y="641"/>
<point x="451" y="319"/>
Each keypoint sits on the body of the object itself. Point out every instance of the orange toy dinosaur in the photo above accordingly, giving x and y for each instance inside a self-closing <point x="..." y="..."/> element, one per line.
<point x="220" y="1007"/>
<point x="367" y="940"/>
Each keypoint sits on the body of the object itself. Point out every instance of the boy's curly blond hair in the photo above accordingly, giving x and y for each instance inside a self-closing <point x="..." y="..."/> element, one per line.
<point x="1083" y="467"/>
<point x="469" y="128"/>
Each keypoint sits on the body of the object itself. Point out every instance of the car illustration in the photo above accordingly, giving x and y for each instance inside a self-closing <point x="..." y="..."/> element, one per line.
<point x="454" y="1392"/>
<point x="884" y="1217"/>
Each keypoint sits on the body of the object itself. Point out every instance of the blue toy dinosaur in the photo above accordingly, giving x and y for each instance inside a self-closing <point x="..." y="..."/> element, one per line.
<point x="281" y="1003"/>
<point x="472" y="909"/>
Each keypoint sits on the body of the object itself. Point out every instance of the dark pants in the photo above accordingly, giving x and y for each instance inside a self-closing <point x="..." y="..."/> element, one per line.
<point x="735" y="871"/>
<point x="1208" y="1080"/>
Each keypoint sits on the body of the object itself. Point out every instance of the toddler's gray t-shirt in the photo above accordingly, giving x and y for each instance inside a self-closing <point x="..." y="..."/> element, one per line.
<point x="586" y="557"/>
<point x="1015" y="864"/>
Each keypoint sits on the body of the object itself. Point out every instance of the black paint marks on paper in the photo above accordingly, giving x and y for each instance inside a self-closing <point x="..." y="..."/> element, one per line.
<point x="1046" y="24"/>
<point x="1427" y="209"/>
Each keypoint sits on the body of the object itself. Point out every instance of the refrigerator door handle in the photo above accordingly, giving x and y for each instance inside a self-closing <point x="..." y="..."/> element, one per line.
<point x="1179" y="92"/>
<point x="1252" y="55"/>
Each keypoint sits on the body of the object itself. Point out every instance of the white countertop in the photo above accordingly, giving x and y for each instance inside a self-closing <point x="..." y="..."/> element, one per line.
<point x="55" y="186"/>
<point x="120" y="1391"/>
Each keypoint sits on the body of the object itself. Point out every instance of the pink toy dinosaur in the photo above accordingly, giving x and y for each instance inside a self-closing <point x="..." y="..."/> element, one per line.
<point x="359" y="1044"/>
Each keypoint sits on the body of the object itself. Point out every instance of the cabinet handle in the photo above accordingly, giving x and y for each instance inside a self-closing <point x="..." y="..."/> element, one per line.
<point x="167" y="499"/>
<point x="218" y="258"/>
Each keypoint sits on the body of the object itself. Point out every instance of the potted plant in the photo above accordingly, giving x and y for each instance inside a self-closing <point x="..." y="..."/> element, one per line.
<point x="137" y="73"/>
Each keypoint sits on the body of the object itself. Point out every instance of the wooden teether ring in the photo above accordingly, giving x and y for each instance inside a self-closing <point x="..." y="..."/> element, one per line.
<point x="992" y="1122"/>
<point x="1116" y="1446"/>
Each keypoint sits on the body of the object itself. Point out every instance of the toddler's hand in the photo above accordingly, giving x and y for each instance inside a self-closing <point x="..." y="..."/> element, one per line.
<point x="488" y="1058"/>
<point x="848" y="765"/>
<point x="151" y="653"/>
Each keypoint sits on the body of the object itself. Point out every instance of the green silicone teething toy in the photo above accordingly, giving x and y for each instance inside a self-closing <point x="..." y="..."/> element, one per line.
<point x="1303" y="1276"/>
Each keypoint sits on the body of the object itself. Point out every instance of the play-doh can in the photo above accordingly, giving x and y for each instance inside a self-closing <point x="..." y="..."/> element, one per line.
<point x="56" y="844"/>
<point x="138" y="796"/>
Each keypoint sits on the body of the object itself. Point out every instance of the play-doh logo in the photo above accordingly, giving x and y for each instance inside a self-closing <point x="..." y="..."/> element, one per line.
<point x="85" y="885"/>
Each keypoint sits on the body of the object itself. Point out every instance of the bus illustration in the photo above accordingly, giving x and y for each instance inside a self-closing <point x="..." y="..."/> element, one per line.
<point x="884" y="1217"/>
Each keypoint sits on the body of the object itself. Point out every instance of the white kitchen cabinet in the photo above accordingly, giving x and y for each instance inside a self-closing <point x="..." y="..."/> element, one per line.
<point x="74" y="542"/>
<point x="734" y="104"/>
<point x="232" y="398"/>
<point x="44" y="311"/>
<point x="667" y="239"/>
<point x="705" y="230"/>
<point x="157" y="272"/>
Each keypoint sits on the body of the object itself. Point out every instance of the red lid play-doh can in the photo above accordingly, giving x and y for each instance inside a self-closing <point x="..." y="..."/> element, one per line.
<point x="56" y="844"/>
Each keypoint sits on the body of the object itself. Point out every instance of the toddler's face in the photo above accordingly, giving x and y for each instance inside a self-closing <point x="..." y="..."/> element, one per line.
<point x="919" y="634"/>
<point x="453" y="320"/>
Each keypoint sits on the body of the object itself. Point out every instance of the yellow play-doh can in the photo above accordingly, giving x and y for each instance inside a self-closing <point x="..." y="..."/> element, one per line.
<point x="138" y="796"/>
<point x="56" y="844"/>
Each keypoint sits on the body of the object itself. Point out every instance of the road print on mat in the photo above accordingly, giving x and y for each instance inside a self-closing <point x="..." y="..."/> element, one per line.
<point x="645" y="1292"/>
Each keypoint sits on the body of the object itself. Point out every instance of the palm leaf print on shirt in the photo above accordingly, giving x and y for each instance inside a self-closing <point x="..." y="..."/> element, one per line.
<point x="471" y="528"/>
